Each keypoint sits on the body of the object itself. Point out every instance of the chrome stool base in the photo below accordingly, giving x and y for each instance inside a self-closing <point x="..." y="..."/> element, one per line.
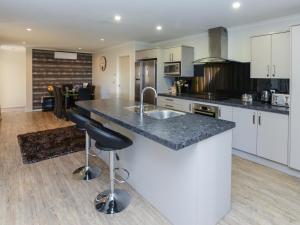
<point x="110" y="203"/>
<point x="86" y="173"/>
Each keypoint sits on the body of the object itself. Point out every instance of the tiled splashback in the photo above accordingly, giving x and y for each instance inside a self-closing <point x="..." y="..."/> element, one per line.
<point x="232" y="79"/>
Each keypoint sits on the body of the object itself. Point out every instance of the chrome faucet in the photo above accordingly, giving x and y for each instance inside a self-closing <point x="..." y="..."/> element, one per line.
<point x="142" y="98"/>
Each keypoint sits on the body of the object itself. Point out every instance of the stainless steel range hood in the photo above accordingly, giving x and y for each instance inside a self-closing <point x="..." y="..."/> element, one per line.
<point x="218" y="47"/>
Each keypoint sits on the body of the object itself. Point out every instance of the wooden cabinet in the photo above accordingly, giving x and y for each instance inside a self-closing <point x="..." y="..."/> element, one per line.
<point x="270" y="56"/>
<point x="272" y="136"/>
<point x="245" y="131"/>
<point x="261" y="133"/>
<point x="295" y="99"/>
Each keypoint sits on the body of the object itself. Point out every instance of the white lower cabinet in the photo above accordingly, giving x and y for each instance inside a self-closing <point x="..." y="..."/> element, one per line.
<point x="245" y="131"/>
<point x="173" y="103"/>
<point x="272" y="137"/>
<point x="261" y="133"/>
<point x="225" y="112"/>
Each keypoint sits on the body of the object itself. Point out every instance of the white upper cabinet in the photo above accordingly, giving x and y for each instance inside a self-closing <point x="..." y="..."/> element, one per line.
<point x="182" y="54"/>
<point x="272" y="136"/>
<point x="281" y="55"/>
<point x="270" y="56"/>
<point x="261" y="56"/>
<point x="173" y="54"/>
<point x="295" y="99"/>
<point x="245" y="131"/>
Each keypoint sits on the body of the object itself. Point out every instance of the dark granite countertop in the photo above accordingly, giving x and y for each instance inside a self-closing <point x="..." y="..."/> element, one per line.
<point x="175" y="133"/>
<point x="234" y="102"/>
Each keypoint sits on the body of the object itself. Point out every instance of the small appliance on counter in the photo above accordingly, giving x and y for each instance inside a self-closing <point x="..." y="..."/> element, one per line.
<point x="247" y="98"/>
<point x="281" y="100"/>
<point x="265" y="96"/>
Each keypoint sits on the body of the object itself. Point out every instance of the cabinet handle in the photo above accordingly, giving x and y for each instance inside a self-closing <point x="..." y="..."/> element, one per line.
<point x="169" y="99"/>
<point x="268" y="71"/>
<point x="170" y="106"/>
<point x="172" y="57"/>
<point x="253" y="118"/>
<point x="259" y="120"/>
<point x="274" y="70"/>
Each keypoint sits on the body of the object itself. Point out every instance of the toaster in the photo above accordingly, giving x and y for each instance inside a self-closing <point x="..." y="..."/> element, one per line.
<point x="281" y="100"/>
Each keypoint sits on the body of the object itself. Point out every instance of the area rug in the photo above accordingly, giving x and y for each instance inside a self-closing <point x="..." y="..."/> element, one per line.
<point x="48" y="144"/>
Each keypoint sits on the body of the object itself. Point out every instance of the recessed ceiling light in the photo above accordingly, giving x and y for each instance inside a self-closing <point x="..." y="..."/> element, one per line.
<point x="23" y="42"/>
<point x="79" y="48"/>
<point x="118" y="18"/>
<point x="28" y="29"/>
<point x="101" y="39"/>
<point x="158" y="27"/>
<point x="236" y="5"/>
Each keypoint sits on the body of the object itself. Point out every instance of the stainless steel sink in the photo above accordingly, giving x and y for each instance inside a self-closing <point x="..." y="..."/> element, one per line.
<point x="162" y="114"/>
<point x="136" y="108"/>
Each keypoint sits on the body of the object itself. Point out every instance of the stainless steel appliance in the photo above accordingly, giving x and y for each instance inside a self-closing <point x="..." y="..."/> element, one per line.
<point x="265" y="96"/>
<point x="207" y="110"/>
<point x="145" y="76"/>
<point x="247" y="98"/>
<point x="281" y="100"/>
<point x="172" y="68"/>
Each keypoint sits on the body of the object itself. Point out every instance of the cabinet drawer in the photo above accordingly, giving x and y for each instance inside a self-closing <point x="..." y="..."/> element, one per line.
<point x="172" y="103"/>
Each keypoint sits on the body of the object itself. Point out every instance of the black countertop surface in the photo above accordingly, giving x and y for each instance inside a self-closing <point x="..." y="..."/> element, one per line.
<point x="175" y="133"/>
<point x="234" y="102"/>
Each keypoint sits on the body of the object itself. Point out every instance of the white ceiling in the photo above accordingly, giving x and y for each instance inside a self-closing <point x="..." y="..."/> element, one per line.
<point x="70" y="24"/>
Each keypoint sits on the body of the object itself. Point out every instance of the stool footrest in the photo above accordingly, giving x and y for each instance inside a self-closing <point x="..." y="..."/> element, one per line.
<point x="123" y="180"/>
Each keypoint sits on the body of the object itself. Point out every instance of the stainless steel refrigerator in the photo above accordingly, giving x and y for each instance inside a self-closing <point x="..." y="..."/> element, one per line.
<point x="145" y="76"/>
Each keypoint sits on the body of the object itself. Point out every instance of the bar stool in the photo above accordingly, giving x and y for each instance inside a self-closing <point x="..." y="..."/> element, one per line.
<point x="113" y="200"/>
<point x="86" y="172"/>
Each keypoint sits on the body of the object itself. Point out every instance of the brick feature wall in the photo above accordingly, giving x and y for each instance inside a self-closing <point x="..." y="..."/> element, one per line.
<point x="49" y="71"/>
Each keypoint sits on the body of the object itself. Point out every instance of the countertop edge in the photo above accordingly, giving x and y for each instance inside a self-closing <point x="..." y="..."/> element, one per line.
<point x="220" y="102"/>
<point x="175" y="147"/>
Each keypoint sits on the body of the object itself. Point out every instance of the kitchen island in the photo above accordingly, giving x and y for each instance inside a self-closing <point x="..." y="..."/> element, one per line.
<point x="181" y="165"/>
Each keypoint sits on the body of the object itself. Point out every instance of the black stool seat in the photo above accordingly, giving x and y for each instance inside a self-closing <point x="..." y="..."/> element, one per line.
<point x="106" y="139"/>
<point x="81" y="120"/>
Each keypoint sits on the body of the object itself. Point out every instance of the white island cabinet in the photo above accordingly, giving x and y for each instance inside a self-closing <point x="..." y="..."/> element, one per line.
<point x="295" y="99"/>
<point x="181" y="165"/>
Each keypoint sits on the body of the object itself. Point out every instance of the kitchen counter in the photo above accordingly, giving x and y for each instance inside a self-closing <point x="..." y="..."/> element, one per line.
<point x="160" y="174"/>
<point x="234" y="102"/>
<point x="175" y="133"/>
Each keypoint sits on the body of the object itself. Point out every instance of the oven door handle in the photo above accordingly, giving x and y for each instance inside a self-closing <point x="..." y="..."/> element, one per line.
<point x="203" y="112"/>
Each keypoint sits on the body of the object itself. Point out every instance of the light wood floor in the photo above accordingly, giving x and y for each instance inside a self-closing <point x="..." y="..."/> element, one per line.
<point x="45" y="194"/>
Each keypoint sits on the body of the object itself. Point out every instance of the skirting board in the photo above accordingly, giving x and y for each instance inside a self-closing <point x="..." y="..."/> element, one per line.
<point x="14" y="109"/>
<point x="265" y="162"/>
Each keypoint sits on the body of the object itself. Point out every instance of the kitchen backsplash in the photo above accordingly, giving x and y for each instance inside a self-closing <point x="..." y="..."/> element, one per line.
<point x="232" y="79"/>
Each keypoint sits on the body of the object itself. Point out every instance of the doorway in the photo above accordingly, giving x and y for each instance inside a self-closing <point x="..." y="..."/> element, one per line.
<point x="124" y="77"/>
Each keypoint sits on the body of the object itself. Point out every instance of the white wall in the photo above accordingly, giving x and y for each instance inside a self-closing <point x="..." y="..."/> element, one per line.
<point x="106" y="82"/>
<point x="238" y="38"/>
<point x="238" y="49"/>
<point x="12" y="77"/>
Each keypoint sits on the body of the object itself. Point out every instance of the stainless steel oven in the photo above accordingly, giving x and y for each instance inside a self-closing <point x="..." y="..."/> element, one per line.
<point x="172" y="69"/>
<point x="206" y="110"/>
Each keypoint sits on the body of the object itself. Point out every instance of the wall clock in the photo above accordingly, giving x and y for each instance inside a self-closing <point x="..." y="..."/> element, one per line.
<point x="103" y="63"/>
